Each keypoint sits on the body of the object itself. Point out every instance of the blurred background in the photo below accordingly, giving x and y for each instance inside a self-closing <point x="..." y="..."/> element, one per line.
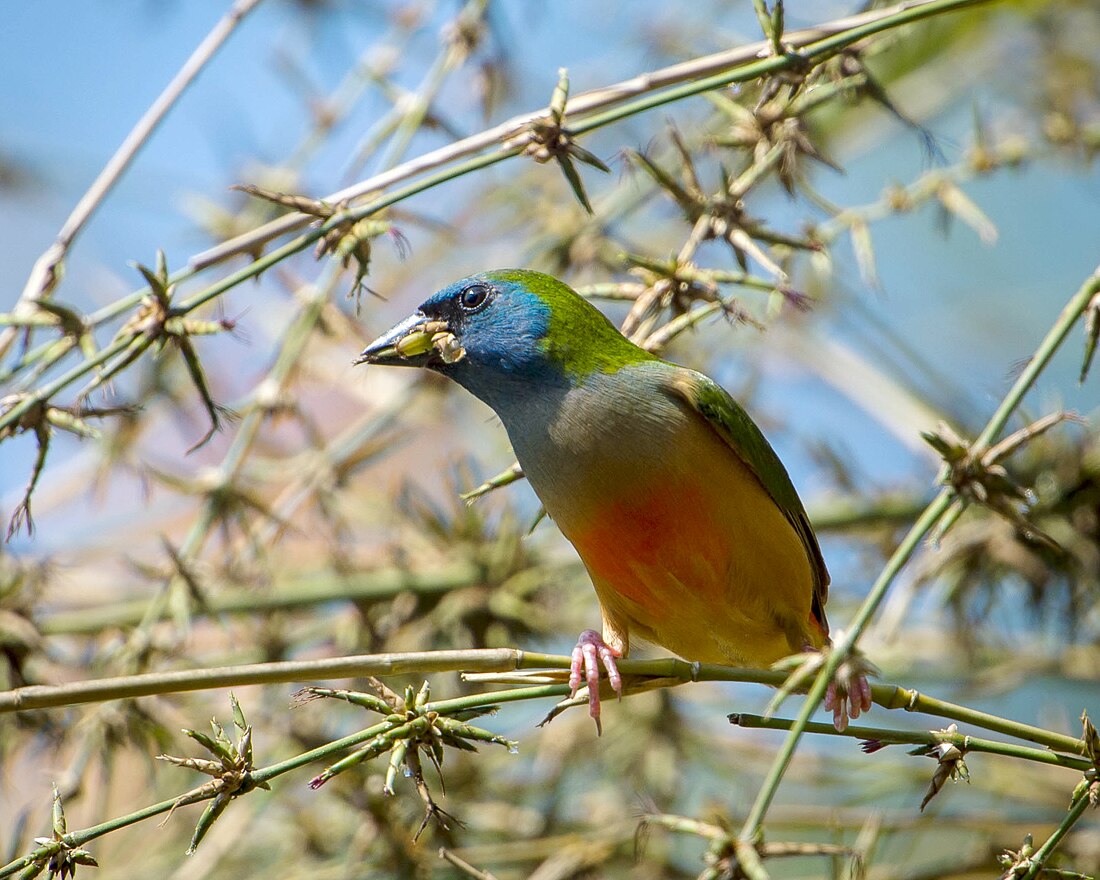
<point x="947" y="179"/>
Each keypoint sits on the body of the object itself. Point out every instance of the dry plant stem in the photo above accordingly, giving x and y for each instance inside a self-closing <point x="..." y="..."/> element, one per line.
<point x="870" y="24"/>
<point x="928" y="520"/>
<point x="449" y="60"/>
<point x="586" y="102"/>
<point x="912" y="195"/>
<point x="749" y="861"/>
<point x="79" y="838"/>
<point x="341" y="101"/>
<point x="250" y="271"/>
<point x="464" y="866"/>
<point x="293" y="344"/>
<point x="924" y="524"/>
<point x="44" y="274"/>
<point x="811" y="49"/>
<point x="917" y="737"/>
<point x="410" y="109"/>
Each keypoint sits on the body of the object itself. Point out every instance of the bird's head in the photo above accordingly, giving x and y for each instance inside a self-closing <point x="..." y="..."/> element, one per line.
<point x="501" y="331"/>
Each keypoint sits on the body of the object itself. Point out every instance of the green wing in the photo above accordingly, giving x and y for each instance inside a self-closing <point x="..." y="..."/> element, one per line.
<point x="742" y="436"/>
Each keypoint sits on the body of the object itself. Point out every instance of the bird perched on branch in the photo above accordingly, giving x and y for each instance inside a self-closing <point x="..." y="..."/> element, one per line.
<point x="689" y="526"/>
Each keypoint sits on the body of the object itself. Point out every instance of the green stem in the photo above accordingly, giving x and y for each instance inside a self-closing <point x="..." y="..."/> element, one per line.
<point x="512" y="695"/>
<point x="13" y="415"/>
<point x="1054" y="338"/>
<point x="917" y="737"/>
<point x="772" y="64"/>
<point x="292" y="344"/>
<point x="894" y="565"/>
<point x="79" y="838"/>
<point x="266" y="774"/>
<point x="307" y="591"/>
<point x="351" y="215"/>
<point x="503" y="660"/>
<point x="484" y="660"/>
<point x="850" y="512"/>
<point x="893" y="697"/>
<point x="129" y="686"/>
<point x="1076" y="810"/>
<point x="927" y="521"/>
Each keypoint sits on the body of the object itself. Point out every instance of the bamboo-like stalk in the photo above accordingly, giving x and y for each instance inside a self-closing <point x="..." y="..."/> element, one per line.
<point x="584" y="103"/>
<point x="893" y="697"/>
<point x="671" y="671"/>
<point x="928" y="520"/>
<point x="924" y="524"/>
<point x="44" y="272"/>
<point x="33" y="399"/>
<point x="917" y="737"/>
<point x="128" y="686"/>
<point x="290" y="350"/>
<point x="486" y="660"/>
<point x="1077" y="809"/>
<point x="258" y="777"/>
<point x="264" y="775"/>
<point x="301" y="592"/>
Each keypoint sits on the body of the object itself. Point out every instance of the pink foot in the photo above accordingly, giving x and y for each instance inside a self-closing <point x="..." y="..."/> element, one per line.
<point x="848" y="699"/>
<point x="591" y="650"/>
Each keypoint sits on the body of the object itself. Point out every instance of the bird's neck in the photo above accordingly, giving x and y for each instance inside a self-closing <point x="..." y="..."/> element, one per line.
<point x="528" y="396"/>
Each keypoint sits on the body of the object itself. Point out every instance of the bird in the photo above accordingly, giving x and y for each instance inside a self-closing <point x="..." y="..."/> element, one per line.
<point x="685" y="518"/>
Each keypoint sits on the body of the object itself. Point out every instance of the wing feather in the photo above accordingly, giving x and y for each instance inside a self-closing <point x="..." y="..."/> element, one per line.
<point x="741" y="434"/>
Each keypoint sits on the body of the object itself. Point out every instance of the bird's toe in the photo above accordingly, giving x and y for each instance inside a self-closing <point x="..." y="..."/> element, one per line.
<point x="591" y="650"/>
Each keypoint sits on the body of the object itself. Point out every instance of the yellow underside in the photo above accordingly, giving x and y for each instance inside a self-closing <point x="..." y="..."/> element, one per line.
<point x="696" y="557"/>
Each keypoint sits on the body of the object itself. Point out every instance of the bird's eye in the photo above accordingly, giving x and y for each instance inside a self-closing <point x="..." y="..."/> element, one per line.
<point x="473" y="297"/>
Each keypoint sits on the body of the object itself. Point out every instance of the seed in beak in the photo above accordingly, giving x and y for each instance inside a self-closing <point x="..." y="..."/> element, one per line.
<point x="450" y="352"/>
<point x="417" y="342"/>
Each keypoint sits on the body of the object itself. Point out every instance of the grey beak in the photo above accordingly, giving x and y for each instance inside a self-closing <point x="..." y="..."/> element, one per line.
<point x="405" y="344"/>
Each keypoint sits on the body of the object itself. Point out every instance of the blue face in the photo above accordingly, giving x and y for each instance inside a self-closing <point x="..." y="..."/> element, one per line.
<point x="500" y="325"/>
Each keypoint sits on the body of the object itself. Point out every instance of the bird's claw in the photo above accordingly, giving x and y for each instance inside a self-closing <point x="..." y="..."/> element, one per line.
<point x="848" y="695"/>
<point x="591" y="650"/>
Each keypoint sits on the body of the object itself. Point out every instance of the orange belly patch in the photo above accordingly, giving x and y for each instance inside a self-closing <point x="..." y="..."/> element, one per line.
<point x="706" y="566"/>
<point x="635" y="544"/>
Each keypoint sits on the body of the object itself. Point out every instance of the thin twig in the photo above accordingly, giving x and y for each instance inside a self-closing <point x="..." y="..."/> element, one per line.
<point x="888" y="736"/>
<point x="752" y="70"/>
<point x="583" y="103"/>
<point x="464" y="866"/>
<point x="484" y="659"/>
<point x="314" y="589"/>
<point x="44" y="274"/>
